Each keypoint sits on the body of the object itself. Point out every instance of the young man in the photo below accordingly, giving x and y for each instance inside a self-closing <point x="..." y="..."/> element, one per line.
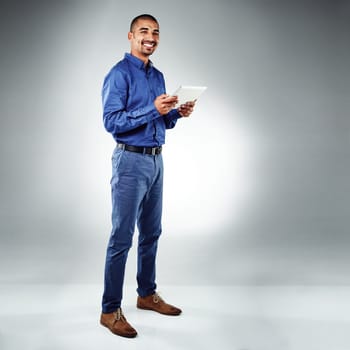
<point x="136" y="111"/>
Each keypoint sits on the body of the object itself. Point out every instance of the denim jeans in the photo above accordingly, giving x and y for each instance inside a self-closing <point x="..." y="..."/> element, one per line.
<point x="137" y="191"/>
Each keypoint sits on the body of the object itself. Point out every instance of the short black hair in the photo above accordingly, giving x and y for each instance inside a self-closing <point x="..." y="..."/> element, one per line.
<point x="143" y="16"/>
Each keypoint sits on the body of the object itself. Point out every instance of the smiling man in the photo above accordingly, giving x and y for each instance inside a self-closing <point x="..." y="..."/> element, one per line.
<point x="136" y="111"/>
<point x="144" y="37"/>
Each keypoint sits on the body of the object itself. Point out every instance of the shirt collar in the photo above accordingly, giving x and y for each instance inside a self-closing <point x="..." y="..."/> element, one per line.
<point x="137" y="62"/>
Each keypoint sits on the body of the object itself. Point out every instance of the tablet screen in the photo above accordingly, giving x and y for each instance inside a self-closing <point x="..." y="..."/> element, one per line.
<point x="188" y="93"/>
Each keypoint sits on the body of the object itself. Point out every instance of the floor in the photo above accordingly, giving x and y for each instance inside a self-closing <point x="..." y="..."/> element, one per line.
<point x="66" y="317"/>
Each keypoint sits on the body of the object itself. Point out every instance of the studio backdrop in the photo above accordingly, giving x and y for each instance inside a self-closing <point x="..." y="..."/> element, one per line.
<point x="256" y="180"/>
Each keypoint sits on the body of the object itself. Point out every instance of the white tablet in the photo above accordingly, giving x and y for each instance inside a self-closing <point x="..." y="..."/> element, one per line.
<point x="188" y="93"/>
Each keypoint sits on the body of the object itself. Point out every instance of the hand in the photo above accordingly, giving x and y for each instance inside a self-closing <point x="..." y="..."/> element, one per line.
<point x="164" y="103"/>
<point x="186" y="109"/>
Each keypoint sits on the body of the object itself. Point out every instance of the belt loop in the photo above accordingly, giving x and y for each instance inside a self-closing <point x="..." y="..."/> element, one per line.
<point x="154" y="151"/>
<point x="144" y="151"/>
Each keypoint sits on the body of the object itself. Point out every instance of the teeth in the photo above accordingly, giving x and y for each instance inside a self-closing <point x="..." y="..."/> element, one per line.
<point x="148" y="45"/>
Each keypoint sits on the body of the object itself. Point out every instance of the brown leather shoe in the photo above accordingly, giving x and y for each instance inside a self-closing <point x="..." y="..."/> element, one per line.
<point x="117" y="324"/>
<point x="156" y="303"/>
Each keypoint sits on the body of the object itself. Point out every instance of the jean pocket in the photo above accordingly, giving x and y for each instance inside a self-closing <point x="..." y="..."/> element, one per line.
<point x="116" y="157"/>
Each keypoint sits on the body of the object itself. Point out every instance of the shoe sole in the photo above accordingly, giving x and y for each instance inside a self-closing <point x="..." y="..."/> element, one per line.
<point x="163" y="313"/>
<point x="120" y="334"/>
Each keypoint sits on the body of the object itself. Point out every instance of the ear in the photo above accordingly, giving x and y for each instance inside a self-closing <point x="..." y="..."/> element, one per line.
<point x="130" y="35"/>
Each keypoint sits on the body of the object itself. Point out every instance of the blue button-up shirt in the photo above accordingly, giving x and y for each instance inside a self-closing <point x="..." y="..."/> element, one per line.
<point x="128" y="95"/>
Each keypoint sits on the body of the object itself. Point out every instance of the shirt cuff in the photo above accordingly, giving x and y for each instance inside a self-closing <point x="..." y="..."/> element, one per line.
<point x="173" y="115"/>
<point x="152" y="112"/>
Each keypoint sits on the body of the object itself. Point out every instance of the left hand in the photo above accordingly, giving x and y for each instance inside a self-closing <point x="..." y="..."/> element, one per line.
<point x="186" y="109"/>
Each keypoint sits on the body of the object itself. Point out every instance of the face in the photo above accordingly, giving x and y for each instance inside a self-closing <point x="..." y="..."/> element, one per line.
<point x="144" y="38"/>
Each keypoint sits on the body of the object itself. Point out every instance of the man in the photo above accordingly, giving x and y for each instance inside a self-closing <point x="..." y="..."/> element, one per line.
<point x="136" y="111"/>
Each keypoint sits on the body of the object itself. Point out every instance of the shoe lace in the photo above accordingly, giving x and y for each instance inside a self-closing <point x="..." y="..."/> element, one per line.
<point x="157" y="298"/>
<point x="119" y="316"/>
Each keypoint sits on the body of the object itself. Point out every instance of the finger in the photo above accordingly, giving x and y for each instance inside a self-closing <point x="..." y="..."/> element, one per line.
<point x="187" y="110"/>
<point x="163" y="97"/>
<point x="171" y="99"/>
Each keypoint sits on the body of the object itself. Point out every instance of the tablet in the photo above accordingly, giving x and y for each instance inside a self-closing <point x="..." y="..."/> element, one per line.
<point x="188" y="93"/>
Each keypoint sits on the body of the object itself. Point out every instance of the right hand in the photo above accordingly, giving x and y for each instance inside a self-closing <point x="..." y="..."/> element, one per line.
<point x="165" y="103"/>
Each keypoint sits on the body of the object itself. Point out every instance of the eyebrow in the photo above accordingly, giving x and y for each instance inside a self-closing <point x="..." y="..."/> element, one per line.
<point x="147" y="28"/>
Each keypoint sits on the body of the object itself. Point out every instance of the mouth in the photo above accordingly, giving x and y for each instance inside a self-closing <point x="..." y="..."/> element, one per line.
<point x="149" y="44"/>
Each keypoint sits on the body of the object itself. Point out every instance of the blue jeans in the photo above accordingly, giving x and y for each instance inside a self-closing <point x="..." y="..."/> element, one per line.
<point x="137" y="191"/>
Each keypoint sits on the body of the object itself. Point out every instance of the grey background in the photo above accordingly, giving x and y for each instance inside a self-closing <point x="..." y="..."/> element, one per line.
<point x="256" y="188"/>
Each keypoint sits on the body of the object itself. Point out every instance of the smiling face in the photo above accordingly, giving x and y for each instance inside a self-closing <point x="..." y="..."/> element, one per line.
<point x="144" y="38"/>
